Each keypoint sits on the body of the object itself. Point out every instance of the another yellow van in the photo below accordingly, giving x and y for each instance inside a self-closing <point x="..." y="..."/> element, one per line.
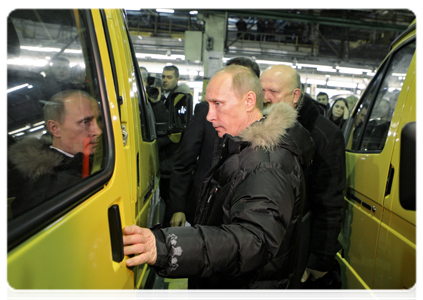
<point x="379" y="228"/>
<point x="73" y="240"/>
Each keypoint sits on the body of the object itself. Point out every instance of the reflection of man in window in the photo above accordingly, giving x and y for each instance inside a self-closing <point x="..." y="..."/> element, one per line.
<point x="44" y="167"/>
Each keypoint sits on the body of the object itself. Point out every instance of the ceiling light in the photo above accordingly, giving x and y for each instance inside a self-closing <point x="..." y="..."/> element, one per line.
<point x="166" y="11"/>
<point x="36" y="128"/>
<point x="193" y="12"/>
<point x="17" y="88"/>
<point x="19" y="130"/>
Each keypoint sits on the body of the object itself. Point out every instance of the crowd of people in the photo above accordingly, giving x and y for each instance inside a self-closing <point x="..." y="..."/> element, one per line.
<point x="256" y="188"/>
<point x="253" y="188"/>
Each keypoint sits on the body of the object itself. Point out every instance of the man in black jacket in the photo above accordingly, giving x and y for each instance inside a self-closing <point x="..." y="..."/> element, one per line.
<point x="323" y="215"/>
<point x="194" y="158"/>
<point x="246" y="232"/>
<point x="43" y="167"/>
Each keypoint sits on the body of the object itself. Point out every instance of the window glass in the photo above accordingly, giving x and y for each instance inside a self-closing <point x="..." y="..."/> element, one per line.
<point x="379" y="104"/>
<point x="52" y="144"/>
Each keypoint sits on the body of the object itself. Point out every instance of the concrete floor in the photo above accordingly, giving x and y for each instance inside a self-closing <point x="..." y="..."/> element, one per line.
<point x="175" y="289"/>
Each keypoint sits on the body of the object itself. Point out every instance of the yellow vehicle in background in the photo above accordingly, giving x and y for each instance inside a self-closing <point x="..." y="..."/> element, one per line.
<point x="74" y="239"/>
<point x="379" y="229"/>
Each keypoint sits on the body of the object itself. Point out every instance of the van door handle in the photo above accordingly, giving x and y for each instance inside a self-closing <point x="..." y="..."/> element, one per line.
<point x="116" y="234"/>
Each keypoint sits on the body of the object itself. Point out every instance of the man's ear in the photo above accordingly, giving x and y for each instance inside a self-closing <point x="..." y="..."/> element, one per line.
<point x="54" y="128"/>
<point x="297" y="96"/>
<point x="250" y="100"/>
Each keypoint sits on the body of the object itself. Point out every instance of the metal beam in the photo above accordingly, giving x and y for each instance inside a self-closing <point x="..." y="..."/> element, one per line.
<point x="308" y="18"/>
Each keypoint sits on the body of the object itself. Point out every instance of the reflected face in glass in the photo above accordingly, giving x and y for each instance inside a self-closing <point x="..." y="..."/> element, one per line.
<point x="79" y="125"/>
<point x="323" y="99"/>
<point x="338" y="109"/>
<point x="61" y="70"/>
<point x="226" y="110"/>
<point x="360" y="116"/>
<point x="169" y="81"/>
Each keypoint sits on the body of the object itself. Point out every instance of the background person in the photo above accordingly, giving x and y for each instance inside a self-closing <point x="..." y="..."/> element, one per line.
<point x="48" y="165"/>
<point x="167" y="148"/>
<point x="325" y="199"/>
<point x="246" y="228"/>
<point x="339" y="112"/>
<point x="323" y="98"/>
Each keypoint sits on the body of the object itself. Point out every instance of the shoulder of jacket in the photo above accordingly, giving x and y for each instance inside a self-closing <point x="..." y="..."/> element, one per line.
<point x="182" y="88"/>
<point x="33" y="158"/>
<point x="269" y="132"/>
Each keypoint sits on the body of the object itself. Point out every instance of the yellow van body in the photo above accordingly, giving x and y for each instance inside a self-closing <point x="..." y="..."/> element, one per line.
<point x="73" y="250"/>
<point x="378" y="233"/>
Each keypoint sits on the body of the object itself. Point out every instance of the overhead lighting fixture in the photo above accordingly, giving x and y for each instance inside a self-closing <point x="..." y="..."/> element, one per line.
<point x="270" y="62"/>
<point x="326" y="69"/>
<point x="399" y="74"/>
<point x="166" y="11"/>
<point x="17" y="88"/>
<point x="39" y="123"/>
<point x="193" y="12"/>
<point x="36" y="128"/>
<point x="19" y="130"/>
<point x="355" y="71"/>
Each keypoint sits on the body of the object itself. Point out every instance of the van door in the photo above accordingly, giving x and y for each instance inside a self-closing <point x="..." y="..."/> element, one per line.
<point x="370" y="254"/>
<point x="72" y="238"/>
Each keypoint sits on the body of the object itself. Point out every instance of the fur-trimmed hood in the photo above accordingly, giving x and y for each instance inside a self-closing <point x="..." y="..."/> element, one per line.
<point x="268" y="132"/>
<point x="280" y="127"/>
<point x="33" y="157"/>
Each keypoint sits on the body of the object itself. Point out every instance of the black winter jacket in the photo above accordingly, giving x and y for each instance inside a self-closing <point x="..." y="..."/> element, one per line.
<point x="326" y="198"/>
<point x="192" y="161"/>
<point x="39" y="172"/>
<point x="248" y="220"/>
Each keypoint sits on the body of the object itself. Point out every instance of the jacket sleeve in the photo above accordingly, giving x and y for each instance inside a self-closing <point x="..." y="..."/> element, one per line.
<point x="186" y="159"/>
<point x="252" y="236"/>
<point x="327" y="205"/>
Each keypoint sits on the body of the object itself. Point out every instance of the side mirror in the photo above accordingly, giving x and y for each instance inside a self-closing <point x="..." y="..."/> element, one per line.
<point x="407" y="179"/>
<point x="180" y="110"/>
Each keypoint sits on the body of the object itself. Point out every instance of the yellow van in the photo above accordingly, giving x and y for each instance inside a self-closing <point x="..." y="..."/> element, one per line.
<point x="379" y="228"/>
<point x="73" y="240"/>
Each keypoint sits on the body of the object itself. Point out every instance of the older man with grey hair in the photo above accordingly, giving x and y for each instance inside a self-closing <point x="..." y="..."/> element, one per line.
<point x="323" y="208"/>
<point x="245" y="233"/>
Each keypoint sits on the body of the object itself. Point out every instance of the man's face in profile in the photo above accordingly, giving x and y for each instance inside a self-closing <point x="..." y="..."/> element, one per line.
<point x="323" y="99"/>
<point x="169" y="80"/>
<point x="79" y="125"/>
<point x="227" y="111"/>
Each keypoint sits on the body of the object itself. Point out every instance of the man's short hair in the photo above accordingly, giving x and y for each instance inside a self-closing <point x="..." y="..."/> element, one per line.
<point x="172" y="68"/>
<point x="60" y="59"/>
<point x="296" y="82"/>
<point x="244" y="80"/>
<point x="323" y="94"/>
<point x="246" y="62"/>
<point x="55" y="108"/>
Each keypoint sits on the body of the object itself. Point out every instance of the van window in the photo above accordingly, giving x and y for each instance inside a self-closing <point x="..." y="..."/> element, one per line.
<point x="377" y="106"/>
<point x="52" y="145"/>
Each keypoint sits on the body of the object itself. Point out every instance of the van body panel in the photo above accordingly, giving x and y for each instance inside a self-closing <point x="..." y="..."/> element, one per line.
<point x="378" y="234"/>
<point x="75" y="250"/>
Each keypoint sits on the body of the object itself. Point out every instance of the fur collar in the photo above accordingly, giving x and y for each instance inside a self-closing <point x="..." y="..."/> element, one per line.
<point x="269" y="131"/>
<point x="33" y="157"/>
